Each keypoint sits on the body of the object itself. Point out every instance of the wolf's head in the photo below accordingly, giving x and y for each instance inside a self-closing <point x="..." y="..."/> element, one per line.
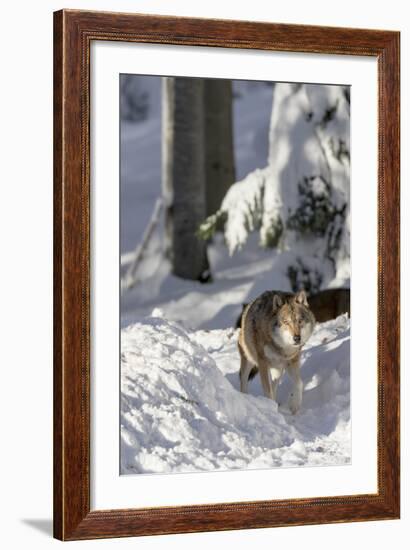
<point x="293" y="321"/>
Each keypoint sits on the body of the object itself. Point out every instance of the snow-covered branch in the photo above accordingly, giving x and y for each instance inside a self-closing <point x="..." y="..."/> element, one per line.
<point x="300" y="201"/>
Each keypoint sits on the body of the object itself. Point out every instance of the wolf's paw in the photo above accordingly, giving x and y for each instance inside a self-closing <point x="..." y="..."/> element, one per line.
<point x="294" y="403"/>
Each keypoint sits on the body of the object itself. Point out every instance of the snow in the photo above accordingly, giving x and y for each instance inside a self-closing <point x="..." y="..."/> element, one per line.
<point x="236" y="280"/>
<point x="299" y="200"/>
<point x="300" y="146"/>
<point x="243" y="204"/>
<point x="181" y="409"/>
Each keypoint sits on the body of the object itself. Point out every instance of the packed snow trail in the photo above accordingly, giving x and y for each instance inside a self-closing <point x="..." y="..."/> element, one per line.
<point x="181" y="409"/>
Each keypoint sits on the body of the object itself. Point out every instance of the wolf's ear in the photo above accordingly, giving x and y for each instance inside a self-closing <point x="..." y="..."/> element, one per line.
<point x="277" y="301"/>
<point x="301" y="298"/>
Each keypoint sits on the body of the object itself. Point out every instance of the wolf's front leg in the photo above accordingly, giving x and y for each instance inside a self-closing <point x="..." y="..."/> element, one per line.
<point x="244" y="371"/>
<point x="295" y="398"/>
<point x="244" y="376"/>
<point x="264" y="373"/>
<point x="275" y="375"/>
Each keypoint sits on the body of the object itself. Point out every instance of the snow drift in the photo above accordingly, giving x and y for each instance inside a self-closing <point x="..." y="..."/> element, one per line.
<point x="181" y="410"/>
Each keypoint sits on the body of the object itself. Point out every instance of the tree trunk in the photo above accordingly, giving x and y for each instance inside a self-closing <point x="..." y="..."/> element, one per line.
<point x="219" y="158"/>
<point x="184" y="175"/>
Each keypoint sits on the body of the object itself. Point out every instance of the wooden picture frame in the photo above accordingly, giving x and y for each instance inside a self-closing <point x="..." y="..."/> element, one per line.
<point x="73" y="33"/>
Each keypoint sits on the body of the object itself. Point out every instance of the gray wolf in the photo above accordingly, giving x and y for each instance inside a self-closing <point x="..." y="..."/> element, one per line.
<point x="274" y="328"/>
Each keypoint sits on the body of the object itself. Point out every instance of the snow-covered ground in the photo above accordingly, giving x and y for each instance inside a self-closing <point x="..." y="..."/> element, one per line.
<point x="181" y="409"/>
<point x="236" y="280"/>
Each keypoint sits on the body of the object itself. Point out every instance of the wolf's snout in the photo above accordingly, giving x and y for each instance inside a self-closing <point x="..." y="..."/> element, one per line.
<point x="296" y="338"/>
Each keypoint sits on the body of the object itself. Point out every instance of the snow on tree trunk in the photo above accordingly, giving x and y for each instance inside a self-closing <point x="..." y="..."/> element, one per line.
<point x="219" y="158"/>
<point x="300" y="200"/>
<point x="184" y="175"/>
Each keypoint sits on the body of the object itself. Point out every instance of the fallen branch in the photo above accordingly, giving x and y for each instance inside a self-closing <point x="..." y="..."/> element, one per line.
<point x="130" y="278"/>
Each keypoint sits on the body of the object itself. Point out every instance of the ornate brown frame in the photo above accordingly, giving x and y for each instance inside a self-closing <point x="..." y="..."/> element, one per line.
<point x="73" y="33"/>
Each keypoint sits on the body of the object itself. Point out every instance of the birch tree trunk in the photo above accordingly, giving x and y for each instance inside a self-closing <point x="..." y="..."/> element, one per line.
<point x="184" y="175"/>
<point x="219" y="157"/>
